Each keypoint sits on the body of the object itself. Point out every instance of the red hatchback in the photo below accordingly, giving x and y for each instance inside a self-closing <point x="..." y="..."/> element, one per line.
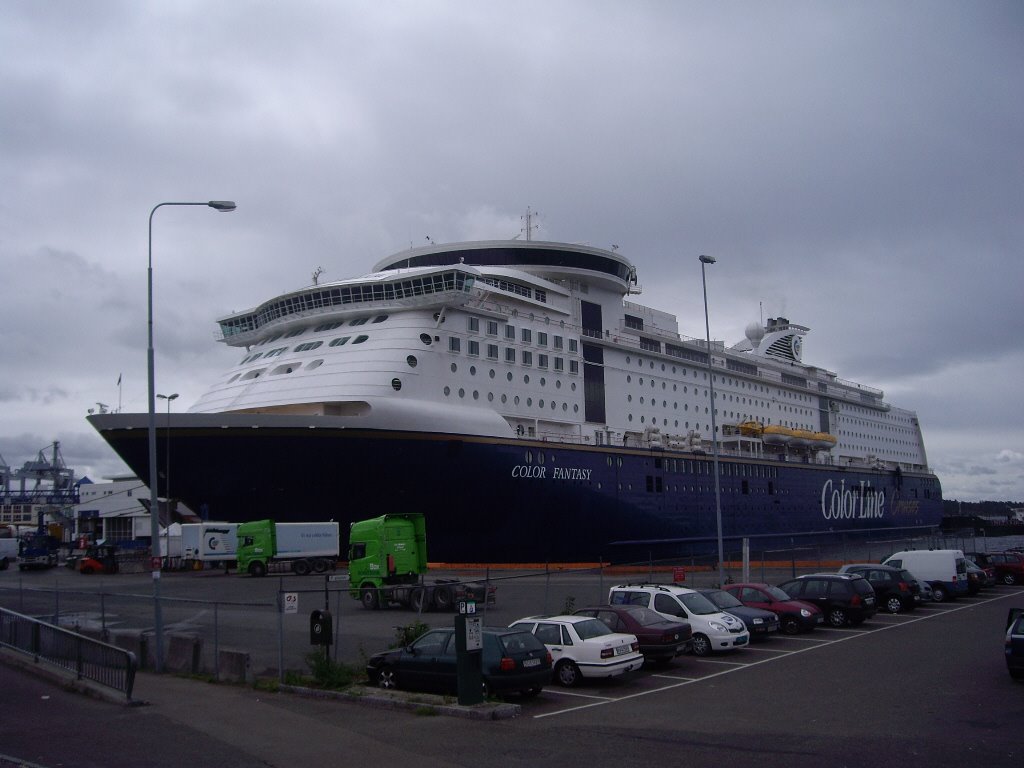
<point x="660" y="640"/>
<point x="795" y="616"/>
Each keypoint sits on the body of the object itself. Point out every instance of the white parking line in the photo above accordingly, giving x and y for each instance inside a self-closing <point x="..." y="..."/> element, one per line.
<point x="705" y="660"/>
<point x="847" y="635"/>
<point x="766" y="650"/>
<point x="563" y="692"/>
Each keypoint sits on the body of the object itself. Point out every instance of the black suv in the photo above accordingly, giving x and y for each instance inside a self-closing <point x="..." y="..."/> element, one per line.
<point x="844" y="598"/>
<point x="895" y="589"/>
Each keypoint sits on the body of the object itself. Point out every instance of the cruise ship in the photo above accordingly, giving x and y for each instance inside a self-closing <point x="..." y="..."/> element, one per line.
<point x="515" y="393"/>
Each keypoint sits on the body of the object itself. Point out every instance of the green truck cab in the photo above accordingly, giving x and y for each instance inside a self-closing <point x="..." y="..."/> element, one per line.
<point x="387" y="560"/>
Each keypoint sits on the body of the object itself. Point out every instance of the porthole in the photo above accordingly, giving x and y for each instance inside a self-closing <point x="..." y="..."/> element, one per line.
<point x="425" y="338"/>
<point x="509" y="375"/>
<point x="540" y="403"/>
<point x="447" y="391"/>
<point x="476" y="395"/>
<point x="454" y="367"/>
<point x="490" y="397"/>
<point x="516" y="400"/>
<point x="573" y="386"/>
<point x="396" y="384"/>
<point x="529" y="402"/>
<point x="504" y="398"/>
<point x="543" y="381"/>
<point x="558" y="383"/>
<point x="472" y="370"/>
<point x="462" y="392"/>
<point x="526" y="378"/>
<point x="411" y="361"/>
<point x="491" y="373"/>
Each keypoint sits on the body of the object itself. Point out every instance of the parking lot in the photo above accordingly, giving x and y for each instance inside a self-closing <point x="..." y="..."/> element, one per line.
<point x="928" y="687"/>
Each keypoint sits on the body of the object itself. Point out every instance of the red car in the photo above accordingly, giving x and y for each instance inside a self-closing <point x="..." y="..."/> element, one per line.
<point x="660" y="640"/>
<point x="1008" y="566"/>
<point x="795" y="616"/>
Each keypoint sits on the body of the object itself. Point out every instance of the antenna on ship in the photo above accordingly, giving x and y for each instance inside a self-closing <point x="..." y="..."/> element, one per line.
<point x="316" y="275"/>
<point x="529" y="225"/>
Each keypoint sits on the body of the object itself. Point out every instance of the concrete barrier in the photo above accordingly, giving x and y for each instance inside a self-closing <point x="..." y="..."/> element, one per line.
<point x="133" y="640"/>
<point x="183" y="654"/>
<point x="234" y="667"/>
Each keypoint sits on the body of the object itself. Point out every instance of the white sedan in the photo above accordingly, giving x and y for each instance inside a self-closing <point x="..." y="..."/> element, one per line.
<point x="582" y="646"/>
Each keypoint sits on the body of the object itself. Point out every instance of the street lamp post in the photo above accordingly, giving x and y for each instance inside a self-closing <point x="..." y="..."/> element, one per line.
<point x="167" y="457"/>
<point x="154" y="508"/>
<point x="705" y="260"/>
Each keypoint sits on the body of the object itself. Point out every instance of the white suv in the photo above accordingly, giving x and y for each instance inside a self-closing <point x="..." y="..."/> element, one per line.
<point x="712" y="629"/>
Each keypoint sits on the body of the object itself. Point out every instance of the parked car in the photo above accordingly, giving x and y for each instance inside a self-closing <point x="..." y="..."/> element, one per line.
<point x="581" y="647"/>
<point x="1014" y="646"/>
<point x="944" y="569"/>
<point x="760" y="623"/>
<point x="893" y="589"/>
<point x="513" y="661"/>
<point x="795" y="616"/>
<point x="661" y="640"/>
<point x="924" y="586"/>
<point x="712" y="629"/>
<point x="1008" y="567"/>
<point x="976" y="577"/>
<point x="844" y="598"/>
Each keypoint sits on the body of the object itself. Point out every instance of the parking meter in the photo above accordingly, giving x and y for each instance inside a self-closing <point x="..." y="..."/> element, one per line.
<point x="320" y="628"/>
<point x="469" y="644"/>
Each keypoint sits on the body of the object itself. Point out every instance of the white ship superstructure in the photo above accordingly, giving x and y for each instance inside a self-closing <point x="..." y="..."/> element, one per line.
<point x="497" y="350"/>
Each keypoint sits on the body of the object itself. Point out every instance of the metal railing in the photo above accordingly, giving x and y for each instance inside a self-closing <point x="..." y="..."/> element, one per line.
<point x="87" y="658"/>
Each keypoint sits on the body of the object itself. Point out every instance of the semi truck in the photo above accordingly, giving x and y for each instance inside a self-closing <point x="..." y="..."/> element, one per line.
<point x="265" y="546"/>
<point x="38" y="551"/>
<point x="209" y="542"/>
<point x="387" y="562"/>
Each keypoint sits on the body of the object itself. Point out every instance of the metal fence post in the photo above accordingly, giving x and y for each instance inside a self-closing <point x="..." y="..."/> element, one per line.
<point x="216" y="641"/>
<point x="280" y="629"/>
<point x="56" y="603"/>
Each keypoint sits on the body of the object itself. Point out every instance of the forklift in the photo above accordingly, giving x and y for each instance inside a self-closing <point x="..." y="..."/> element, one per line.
<point x="99" y="558"/>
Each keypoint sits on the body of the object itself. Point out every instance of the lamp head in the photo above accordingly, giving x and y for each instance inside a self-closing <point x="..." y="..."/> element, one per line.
<point x="707" y="259"/>
<point x="222" y="205"/>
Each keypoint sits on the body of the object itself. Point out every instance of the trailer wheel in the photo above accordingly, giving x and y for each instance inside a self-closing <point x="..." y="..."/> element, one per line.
<point x="443" y="598"/>
<point x="256" y="568"/>
<point x="369" y="598"/>
<point x="319" y="565"/>
<point x="301" y="567"/>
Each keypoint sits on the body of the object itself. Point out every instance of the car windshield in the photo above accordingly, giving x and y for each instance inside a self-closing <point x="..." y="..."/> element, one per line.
<point x="645" y="617"/>
<point x="723" y="599"/>
<point x="589" y="628"/>
<point x="698" y="604"/>
<point x="778" y="594"/>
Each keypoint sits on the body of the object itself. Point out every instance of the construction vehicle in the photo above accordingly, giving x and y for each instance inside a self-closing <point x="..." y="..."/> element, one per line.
<point x="264" y="546"/>
<point x="98" y="558"/>
<point x="387" y="563"/>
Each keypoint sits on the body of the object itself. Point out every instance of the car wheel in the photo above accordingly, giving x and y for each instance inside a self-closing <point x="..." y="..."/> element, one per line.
<point x="301" y="567"/>
<point x="320" y="565"/>
<point x="567" y="673"/>
<point x="701" y="645"/>
<point x="1009" y="579"/>
<point x="790" y="626"/>
<point x="256" y="568"/>
<point x="837" y="617"/>
<point x="369" y="598"/>
<point x="387" y="678"/>
<point x="938" y="594"/>
<point x="893" y="604"/>
<point x="443" y="599"/>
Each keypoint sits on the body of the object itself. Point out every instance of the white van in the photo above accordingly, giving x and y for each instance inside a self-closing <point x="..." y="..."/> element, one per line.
<point x="945" y="570"/>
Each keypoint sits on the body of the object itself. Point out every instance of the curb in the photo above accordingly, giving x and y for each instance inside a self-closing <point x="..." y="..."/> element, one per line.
<point x="415" y="702"/>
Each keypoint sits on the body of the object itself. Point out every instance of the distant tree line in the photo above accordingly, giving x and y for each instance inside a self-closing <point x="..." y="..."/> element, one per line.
<point x="983" y="508"/>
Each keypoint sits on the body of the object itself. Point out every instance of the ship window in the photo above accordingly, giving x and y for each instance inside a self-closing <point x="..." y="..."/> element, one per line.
<point x="474" y="325"/>
<point x="253" y="374"/>
<point x="527" y="357"/>
<point x="474" y="348"/>
<point x="293" y="334"/>
<point x="454" y="344"/>
<point x="492" y="328"/>
<point x="396" y="384"/>
<point x="454" y="368"/>
<point x="360" y="339"/>
<point x="411" y="361"/>
<point x="425" y="338"/>
<point x="557" y="342"/>
<point x="314" y="364"/>
<point x="327" y="326"/>
<point x="542" y="361"/>
<point x="359" y="321"/>
<point x="492" y="351"/>
<point x="527" y="335"/>
<point x="308" y="346"/>
<point x="234" y="377"/>
<point x="380" y="318"/>
<point x="510" y="332"/>
<point x="491" y="373"/>
<point x="542" y="339"/>
<point x="339" y="341"/>
<point x="510" y="355"/>
<point x="447" y="391"/>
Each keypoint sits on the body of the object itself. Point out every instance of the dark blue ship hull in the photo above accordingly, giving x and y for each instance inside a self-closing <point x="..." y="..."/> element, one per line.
<point x="489" y="500"/>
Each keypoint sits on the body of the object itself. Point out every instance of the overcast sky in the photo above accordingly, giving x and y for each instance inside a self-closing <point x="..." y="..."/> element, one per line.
<point x="855" y="167"/>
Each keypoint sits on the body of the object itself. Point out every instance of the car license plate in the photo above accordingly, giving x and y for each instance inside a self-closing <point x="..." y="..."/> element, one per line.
<point x="531" y="663"/>
<point x="623" y="649"/>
